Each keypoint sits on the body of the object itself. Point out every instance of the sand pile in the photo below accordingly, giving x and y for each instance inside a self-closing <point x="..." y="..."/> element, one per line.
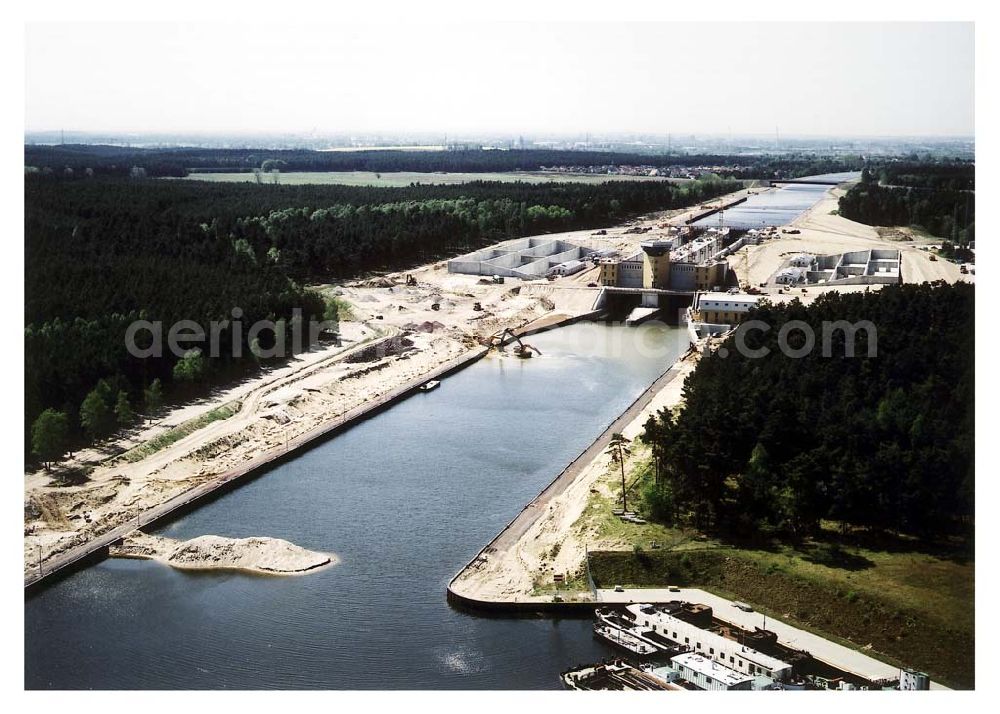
<point x="209" y="552"/>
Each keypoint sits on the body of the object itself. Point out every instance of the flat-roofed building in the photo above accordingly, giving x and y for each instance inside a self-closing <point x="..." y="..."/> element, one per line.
<point x="709" y="644"/>
<point x="723" y="308"/>
<point x="624" y="273"/>
<point x="647" y="268"/>
<point x="708" y="674"/>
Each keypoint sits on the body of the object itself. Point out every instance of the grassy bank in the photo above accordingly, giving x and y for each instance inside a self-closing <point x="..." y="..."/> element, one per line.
<point x="874" y="610"/>
<point x="180" y="431"/>
<point x="903" y="601"/>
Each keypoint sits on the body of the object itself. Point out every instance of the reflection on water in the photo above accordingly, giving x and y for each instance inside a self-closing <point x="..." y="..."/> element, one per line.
<point x="405" y="499"/>
<point x="776" y="207"/>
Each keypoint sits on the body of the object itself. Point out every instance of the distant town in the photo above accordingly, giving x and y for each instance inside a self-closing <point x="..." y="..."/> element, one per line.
<point x="640" y="358"/>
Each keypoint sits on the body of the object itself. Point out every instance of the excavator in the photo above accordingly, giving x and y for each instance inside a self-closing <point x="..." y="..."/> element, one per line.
<point x="522" y="350"/>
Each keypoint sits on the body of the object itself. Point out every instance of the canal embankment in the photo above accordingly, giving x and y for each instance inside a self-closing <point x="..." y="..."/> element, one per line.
<point x="403" y="499"/>
<point x="152" y="518"/>
<point x="539" y="543"/>
<point x="715" y="209"/>
<point x="97" y="548"/>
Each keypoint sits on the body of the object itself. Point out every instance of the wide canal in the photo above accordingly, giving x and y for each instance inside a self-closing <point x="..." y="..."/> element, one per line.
<point x="404" y="499"/>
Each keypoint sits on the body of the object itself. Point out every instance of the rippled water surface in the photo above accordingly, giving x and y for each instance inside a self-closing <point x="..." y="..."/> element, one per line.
<point x="405" y="499"/>
<point x="775" y="208"/>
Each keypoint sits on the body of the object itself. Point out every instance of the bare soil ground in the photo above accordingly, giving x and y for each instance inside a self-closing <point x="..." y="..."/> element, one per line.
<point x="270" y="556"/>
<point x="553" y="544"/>
<point x="824" y="233"/>
<point x="113" y="485"/>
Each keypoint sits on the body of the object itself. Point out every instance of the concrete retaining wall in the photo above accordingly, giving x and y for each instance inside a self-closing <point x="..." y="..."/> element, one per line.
<point x="525" y="258"/>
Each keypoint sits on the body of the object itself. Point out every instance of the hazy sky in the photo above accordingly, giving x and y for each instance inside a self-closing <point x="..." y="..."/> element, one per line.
<point x="858" y="79"/>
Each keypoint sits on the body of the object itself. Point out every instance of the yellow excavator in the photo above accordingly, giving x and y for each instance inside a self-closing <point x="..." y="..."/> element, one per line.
<point x="522" y="350"/>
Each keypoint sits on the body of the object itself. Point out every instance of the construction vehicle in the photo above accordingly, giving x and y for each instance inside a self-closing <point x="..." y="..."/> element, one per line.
<point x="478" y="307"/>
<point x="410" y="280"/>
<point x="523" y="350"/>
<point x="498" y="280"/>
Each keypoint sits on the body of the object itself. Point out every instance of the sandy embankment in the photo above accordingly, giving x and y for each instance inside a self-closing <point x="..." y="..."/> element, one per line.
<point x="288" y="401"/>
<point x="551" y="544"/>
<point x="271" y="556"/>
<point x="557" y="542"/>
<point x="824" y="233"/>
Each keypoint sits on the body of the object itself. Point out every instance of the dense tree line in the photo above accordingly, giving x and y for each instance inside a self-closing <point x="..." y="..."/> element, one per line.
<point x="102" y="252"/>
<point x="117" y="160"/>
<point x="951" y="175"/>
<point x="935" y="197"/>
<point x="344" y="239"/>
<point x="96" y="260"/>
<point x="778" y="443"/>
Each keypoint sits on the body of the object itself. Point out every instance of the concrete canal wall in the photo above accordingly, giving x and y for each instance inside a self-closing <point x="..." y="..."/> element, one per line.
<point x="532" y="511"/>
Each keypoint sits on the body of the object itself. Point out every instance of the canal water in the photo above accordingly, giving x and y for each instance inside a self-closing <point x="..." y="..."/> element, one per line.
<point x="777" y="207"/>
<point x="405" y="499"/>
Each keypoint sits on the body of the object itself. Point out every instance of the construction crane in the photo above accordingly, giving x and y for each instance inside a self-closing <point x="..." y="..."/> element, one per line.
<point x="745" y="253"/>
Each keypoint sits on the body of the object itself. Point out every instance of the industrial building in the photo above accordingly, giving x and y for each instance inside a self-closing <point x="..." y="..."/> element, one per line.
<point x="858" y="267"/>
<point x="702" y="248"/>
<point x="646" y="268"/>
<point x="710" y="645"/>
<point x="623" y="273"/>
<point x="703" y="276"/>
<point x="708" y="674"/>
<point x="665" y="264"/>
<point x="722" y="308"/>
<point x="525" y="258"/>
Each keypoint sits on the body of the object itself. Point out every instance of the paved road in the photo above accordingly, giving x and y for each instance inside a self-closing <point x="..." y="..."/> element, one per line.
<point x="821" y="648"/>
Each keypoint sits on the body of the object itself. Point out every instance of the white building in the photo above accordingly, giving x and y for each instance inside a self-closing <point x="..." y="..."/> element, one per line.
<point x="790" y="276"/>
<point x="708" y="644"/>
<point x="723" y="308"/>
<point x="802" y="260"/>
<point x="708" y="674"/>
<point x="568" y="268"/>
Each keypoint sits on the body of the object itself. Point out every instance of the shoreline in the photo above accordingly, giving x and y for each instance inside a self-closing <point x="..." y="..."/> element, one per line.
<point x="822" y="230"/>
<point x="441" y="322"/>
<point x="534" y="515"/>
<point x="191" y="498"/>
<point x="97" y="548"/>
<point x="256" y="555"/>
